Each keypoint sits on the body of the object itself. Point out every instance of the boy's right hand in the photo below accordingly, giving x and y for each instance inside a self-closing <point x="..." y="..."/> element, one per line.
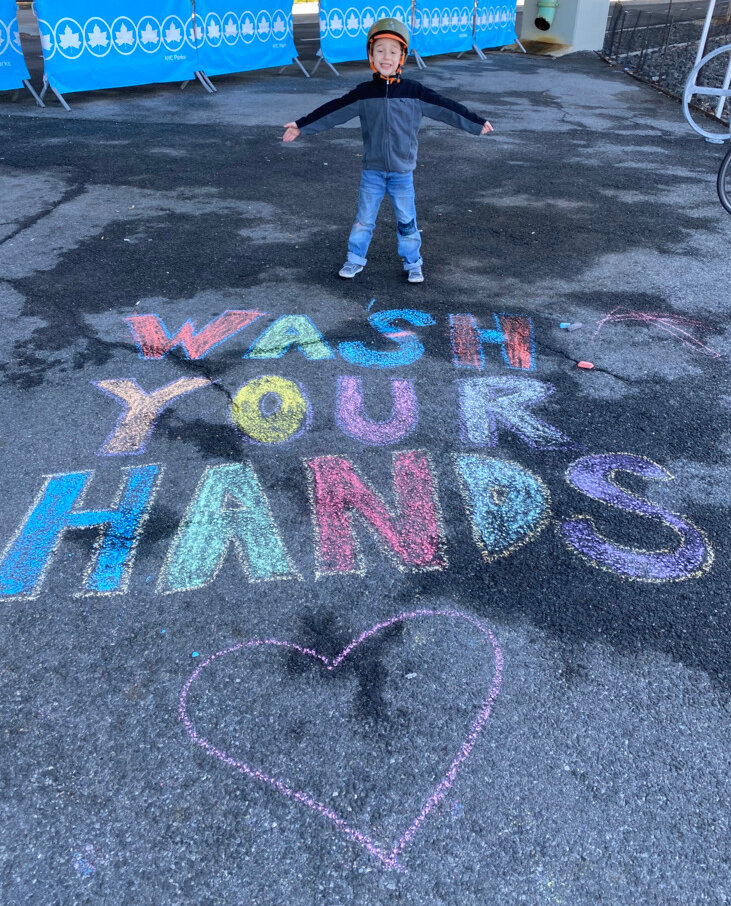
<point x="291" y="131"/>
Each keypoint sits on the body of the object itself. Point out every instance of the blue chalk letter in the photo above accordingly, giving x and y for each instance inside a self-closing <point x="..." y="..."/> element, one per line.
<point x="409" y="349"/>
<point x="29" y="554"/>
<point x="507" y="504"/>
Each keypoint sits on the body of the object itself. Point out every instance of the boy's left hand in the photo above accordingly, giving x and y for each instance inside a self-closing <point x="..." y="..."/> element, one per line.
<point x="486" y="128"/>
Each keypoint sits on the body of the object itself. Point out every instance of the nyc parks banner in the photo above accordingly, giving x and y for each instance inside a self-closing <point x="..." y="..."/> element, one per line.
<point x="238" y="35"/>
<point x="344" y="27"/>
<point x="12" y="65"/>
<point x="88" y="45"/>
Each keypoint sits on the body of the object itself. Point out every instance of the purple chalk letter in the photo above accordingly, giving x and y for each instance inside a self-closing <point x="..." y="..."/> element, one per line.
<point x="594" y="476"/>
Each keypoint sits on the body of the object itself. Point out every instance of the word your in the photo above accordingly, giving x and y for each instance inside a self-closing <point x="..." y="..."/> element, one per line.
<point x="388" y="859"/>
<point x="274" y="410"/>
<point x="230" y="515"/>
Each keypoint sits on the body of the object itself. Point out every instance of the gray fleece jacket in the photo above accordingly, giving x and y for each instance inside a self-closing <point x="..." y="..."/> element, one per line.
<point x="390" y="116"/>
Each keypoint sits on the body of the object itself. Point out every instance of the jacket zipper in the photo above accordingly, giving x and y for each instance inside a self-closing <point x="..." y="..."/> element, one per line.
<point x="387" y="160"/>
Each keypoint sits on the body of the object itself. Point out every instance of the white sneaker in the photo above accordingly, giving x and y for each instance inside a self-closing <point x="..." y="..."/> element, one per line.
<point x="349" y="270"/>
<point x="416" y="275"/>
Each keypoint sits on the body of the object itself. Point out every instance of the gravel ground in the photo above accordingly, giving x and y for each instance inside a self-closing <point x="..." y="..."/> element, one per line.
<point x="663" y="52"/>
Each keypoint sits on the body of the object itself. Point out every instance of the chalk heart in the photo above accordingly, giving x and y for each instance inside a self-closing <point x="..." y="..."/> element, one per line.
<point x="307" y="707"/>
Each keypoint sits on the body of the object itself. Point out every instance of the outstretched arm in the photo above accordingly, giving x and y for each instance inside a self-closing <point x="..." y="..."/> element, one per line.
<point x="328" y="115"/>
<point x="437" y="107"/>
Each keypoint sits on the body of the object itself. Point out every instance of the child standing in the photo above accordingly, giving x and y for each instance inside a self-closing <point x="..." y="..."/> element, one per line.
<point x="390" y="110"/>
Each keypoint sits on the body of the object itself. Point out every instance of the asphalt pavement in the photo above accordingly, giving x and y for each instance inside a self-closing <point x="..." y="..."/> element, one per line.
<point x="328" y="592"/>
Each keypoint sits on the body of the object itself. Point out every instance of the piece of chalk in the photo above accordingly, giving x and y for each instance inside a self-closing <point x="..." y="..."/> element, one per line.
<point x="564" y="325"/>
<point x="585" y="364"/>
<point x="575" y="326"/>
<point x="195" y="654"/>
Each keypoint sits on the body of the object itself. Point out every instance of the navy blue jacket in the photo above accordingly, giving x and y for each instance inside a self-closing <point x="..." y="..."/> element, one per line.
<point x="390" y="116"/>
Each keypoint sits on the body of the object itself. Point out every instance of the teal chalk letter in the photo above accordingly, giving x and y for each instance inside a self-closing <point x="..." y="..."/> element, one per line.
<point x="229" y="508"/>
<point x="288" y="331"/>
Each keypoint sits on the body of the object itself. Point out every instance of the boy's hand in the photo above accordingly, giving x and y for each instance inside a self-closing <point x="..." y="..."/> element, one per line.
<point x="290" y="132"/>
<point x="485" y="129"/>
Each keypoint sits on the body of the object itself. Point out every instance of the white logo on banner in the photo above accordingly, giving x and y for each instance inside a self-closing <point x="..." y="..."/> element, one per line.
<point x="69" y="38"/>
<point x="15" y="40"/>
<point x="418" y="21"/>
<point x="173" y="33"/>
<point x="398" y="13"/>
<point x="352" y="22"/>
<point x="194" y="34"/>
<point x="465" y="17"/>
<point x="280" y="25"/>
<point x="48" y="39"/>
<point x="150" y="34"/>
<point x="263" y="26"/>
<point x="335" y="23"/>
<point x="367" y="18"/>
<point x="98" y="37"/>
<point x="230" y="28"/>
<point x="323" y="24"/>
<point x="248" y="27"/>
<point x="124" y="33"/>
<point x="214" y="29"/>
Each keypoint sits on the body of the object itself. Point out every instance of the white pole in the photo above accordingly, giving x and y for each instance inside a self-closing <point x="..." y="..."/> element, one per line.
<point x="706" y="29"/>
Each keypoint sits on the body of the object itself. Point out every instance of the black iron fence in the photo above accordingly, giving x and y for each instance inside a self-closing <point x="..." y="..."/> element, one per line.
<point x="660" y="46"/>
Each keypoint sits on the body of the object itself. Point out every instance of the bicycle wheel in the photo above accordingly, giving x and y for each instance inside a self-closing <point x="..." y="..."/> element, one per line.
<point x="723" y="183"/>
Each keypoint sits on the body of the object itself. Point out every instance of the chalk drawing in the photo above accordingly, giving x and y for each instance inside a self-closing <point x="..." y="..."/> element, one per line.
<point x="595" y="477"/>
<point x="350" y="416"/>
<point x="410" y="348"/>
<point x="271" y="410"/>
<point x="512" y="333"/>
<point x="154" y="340"/>
<point x="289" y="331"/>
<point x="26" y="559"/>
<point x="507" y="505"/>
<point x="412" y="536"/>
<point x="389" y="859"/>
<point x="675" y="325"/>
<point x="486" y="403"/>
<point x="228" y="509"/>
<point x="135" y="425"/>
<point x="87" y="861"/>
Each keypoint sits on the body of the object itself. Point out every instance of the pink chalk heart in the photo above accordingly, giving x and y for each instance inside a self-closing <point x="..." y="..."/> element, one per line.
<point x="436" y="715"/>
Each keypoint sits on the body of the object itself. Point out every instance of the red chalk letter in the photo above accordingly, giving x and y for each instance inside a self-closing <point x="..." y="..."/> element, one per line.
<point x="412" y="535"/>
<point x="513" y="333"/>
<point x="154" y="340"/>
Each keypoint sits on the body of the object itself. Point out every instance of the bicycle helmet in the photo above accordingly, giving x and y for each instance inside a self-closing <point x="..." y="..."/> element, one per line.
<point x="389" y="28"/>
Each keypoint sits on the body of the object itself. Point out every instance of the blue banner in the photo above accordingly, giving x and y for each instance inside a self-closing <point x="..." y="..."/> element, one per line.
<point x="494" y="24"/>
<point x="344" y="27"/>
<point x="132" y="42"/>
<point x="253" y="36"/>
<point x="441" y="29"/>
<point x="12" y="65"/>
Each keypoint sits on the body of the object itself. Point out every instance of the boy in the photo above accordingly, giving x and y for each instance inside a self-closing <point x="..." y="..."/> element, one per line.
<point x="390" y="110"/>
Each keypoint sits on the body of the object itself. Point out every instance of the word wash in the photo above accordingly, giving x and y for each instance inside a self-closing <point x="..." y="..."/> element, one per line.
<point x="396" y="502"/>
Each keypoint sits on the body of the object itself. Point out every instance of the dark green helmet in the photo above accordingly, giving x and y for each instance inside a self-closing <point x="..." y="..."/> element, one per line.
<point x="388" y="28"/>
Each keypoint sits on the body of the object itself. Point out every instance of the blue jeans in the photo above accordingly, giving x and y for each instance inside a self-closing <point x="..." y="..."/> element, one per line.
<point x="374" y="184"/>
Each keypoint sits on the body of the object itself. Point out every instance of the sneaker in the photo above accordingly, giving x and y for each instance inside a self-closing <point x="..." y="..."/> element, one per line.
<point x="416" y="275"/>
<point x="349" y="270"/>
